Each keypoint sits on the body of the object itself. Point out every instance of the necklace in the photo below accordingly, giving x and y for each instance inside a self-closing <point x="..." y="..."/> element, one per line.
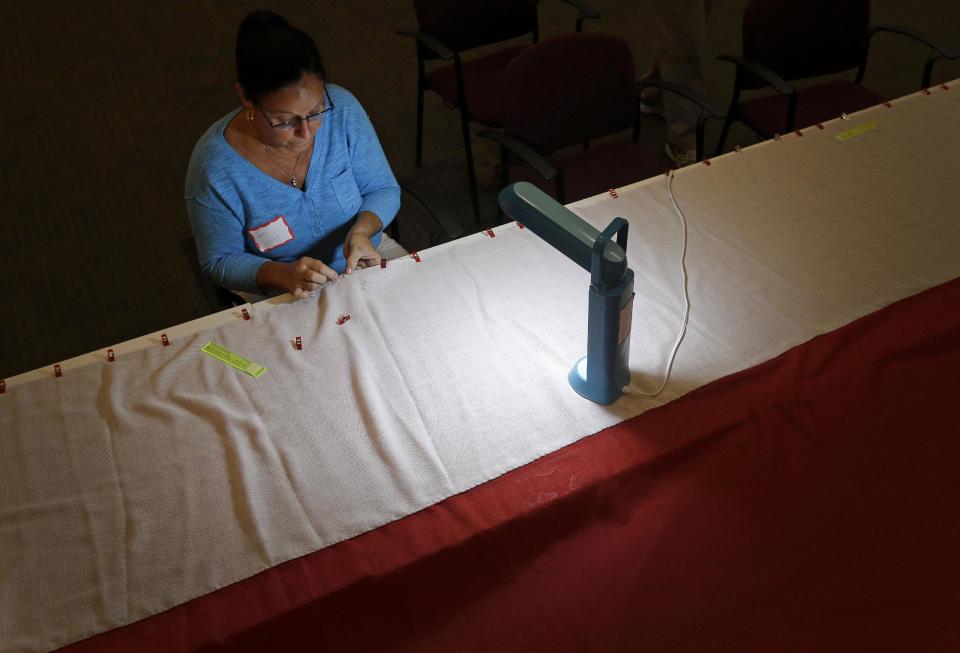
<point x="292" y="173"/>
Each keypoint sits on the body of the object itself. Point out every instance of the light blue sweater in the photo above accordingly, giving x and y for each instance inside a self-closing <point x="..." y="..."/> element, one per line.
<point x="227" y="196"/>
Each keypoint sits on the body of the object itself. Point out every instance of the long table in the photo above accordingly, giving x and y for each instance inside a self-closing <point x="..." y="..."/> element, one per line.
<point x="786" y="492"/>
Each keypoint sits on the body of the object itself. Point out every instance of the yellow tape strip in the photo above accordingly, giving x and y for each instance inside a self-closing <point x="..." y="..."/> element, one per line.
<point x="233" y="360"/>
<point x="856" y="131"/>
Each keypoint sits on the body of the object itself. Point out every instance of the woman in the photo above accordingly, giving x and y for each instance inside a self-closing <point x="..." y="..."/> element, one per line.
<point x="293" y="188"/>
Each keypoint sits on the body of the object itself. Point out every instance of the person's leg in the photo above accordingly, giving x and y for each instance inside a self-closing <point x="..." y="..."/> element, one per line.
<point x="681" y="24"/>
<point x="250" y="297"/>
<point x="390" y="249"/>
<point x="650" y="98"/>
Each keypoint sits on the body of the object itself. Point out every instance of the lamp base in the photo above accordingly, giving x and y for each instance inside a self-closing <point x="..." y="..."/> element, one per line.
<point x="600" y="393"/>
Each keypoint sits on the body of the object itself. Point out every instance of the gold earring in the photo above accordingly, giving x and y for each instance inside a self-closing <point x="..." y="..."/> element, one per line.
<point x="250" y="115"/>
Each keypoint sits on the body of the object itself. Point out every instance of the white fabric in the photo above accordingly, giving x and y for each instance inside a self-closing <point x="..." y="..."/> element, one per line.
<point x="130" y="487"/>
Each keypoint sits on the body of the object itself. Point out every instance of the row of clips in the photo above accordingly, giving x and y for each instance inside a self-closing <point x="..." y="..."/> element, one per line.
<point x="165" y="340"/>
<point x="615" y="194"/>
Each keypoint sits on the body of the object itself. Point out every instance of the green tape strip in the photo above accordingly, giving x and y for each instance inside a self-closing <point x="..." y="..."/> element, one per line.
<point x="233" y="360"/>
<point x="856" y="131"/>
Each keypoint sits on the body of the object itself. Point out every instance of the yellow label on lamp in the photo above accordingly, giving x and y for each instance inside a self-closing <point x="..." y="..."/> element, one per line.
<point x="224" y="355"/>
<point x="856" y="131"/>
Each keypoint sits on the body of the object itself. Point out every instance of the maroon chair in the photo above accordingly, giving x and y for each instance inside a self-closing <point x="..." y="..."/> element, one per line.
<point x="448" y="28"/>
<point x="569" y="90"/>
<point x="784" y="40"/>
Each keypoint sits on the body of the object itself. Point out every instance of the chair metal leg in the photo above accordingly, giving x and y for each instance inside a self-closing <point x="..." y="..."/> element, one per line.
<point x="465" y="125"/>
<point x="731" y="112"/>
<point x="504" y="179"/>
<point x="420" y="91"/>
<point x="723" y="134"/>
<point x="701" y="120"/>
<point x="928" y="70"/>
<point x="471" y="173"/>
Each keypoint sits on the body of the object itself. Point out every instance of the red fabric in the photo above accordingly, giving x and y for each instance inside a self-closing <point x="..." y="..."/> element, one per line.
<point x="768" y="115"/>
<point x="806" y="504"/>
<point x="481" y="83"/>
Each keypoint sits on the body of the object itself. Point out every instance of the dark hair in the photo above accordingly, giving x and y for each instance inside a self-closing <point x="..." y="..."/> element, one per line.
<point x="271" y="54"/>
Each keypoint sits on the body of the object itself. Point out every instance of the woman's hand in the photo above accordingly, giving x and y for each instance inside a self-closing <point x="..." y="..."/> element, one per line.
<point x="357" y="248"/>
<point x="360" y="253"/>
<point x="299" y="278"/>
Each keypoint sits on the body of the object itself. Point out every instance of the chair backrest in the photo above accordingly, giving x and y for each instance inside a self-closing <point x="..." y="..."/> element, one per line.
<point x="569" y="89"/>
<point x="465" y="24"/>
<point x="805" y="39"/>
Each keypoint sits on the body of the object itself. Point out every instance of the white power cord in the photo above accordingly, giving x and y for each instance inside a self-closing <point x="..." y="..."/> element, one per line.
<point x="686" y="298"/>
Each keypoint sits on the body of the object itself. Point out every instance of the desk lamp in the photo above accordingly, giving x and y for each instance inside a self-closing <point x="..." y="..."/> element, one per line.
<point x="601" y="374"/>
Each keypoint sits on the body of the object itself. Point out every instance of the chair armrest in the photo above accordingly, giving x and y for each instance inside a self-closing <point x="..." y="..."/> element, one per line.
<point x="771" y="78"/>
<point x="431" y="43"/>
<point x="543" y="167"/>
<point x="936" y="51"/>
<point x="712" y="108"/>
<point x="585" y="12"/>
<point x="920" y="38"/>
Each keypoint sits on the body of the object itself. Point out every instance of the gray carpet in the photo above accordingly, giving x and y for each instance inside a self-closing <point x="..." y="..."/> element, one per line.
<point x="102" y="103"/>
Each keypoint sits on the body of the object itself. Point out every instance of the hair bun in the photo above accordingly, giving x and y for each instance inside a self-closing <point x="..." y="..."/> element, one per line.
<point x="257" y="20"/>
<point x="272" y="54"/>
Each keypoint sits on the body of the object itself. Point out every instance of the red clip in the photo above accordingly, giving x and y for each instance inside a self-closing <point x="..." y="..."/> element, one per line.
<point x="520" y="224"/>
<point x="164" y="340"/>
<point x="3" y="386"/>
<point x="298" y="344"/>
<point x="614" y="194"/>
<point x="57" y="371"/>
<point x="245" y="313"/>
<point x="819" y="125"/>
<point x="945" y="87"/>
<point x="415" y="257"/>
<point x="490" y="233"/>
<point x="111" y="357"/>
<point x="887" y="104"/>
<point x="383" y="264"/>
<point x="926" y="91"/>
<point x="706" y="161"/>
<point x="343" y="319"/>
<point x="798" y="132"/>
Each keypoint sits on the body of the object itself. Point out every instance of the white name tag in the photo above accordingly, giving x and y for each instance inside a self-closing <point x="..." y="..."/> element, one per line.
<point x="271" y="235"/>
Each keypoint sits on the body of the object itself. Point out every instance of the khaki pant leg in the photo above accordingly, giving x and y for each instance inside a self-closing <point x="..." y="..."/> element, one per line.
<point x="681" y="25"/>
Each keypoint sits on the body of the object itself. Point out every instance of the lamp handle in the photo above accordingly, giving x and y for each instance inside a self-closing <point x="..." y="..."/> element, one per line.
<point x="617" y="226"/>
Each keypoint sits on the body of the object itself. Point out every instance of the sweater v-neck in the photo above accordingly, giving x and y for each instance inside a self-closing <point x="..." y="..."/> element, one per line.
<point x="308" y="181"/>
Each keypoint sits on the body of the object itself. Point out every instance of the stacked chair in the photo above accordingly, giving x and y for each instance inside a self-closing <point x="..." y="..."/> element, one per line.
<point x="448" y="30"/>
<point x="785" y="41"/>
<point x="567" y="91"/>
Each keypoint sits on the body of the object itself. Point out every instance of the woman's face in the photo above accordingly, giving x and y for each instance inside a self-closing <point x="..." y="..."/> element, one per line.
<point x="289" y="108"/>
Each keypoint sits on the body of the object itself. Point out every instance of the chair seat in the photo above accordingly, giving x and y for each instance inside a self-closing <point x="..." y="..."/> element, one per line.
<point x="481" y="81"/>
<point x="768" y="115"/>
<point x="598" y="169"/>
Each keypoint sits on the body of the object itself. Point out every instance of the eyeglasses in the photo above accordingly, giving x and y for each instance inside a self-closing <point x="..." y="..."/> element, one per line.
<point x="293" y="123"/>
